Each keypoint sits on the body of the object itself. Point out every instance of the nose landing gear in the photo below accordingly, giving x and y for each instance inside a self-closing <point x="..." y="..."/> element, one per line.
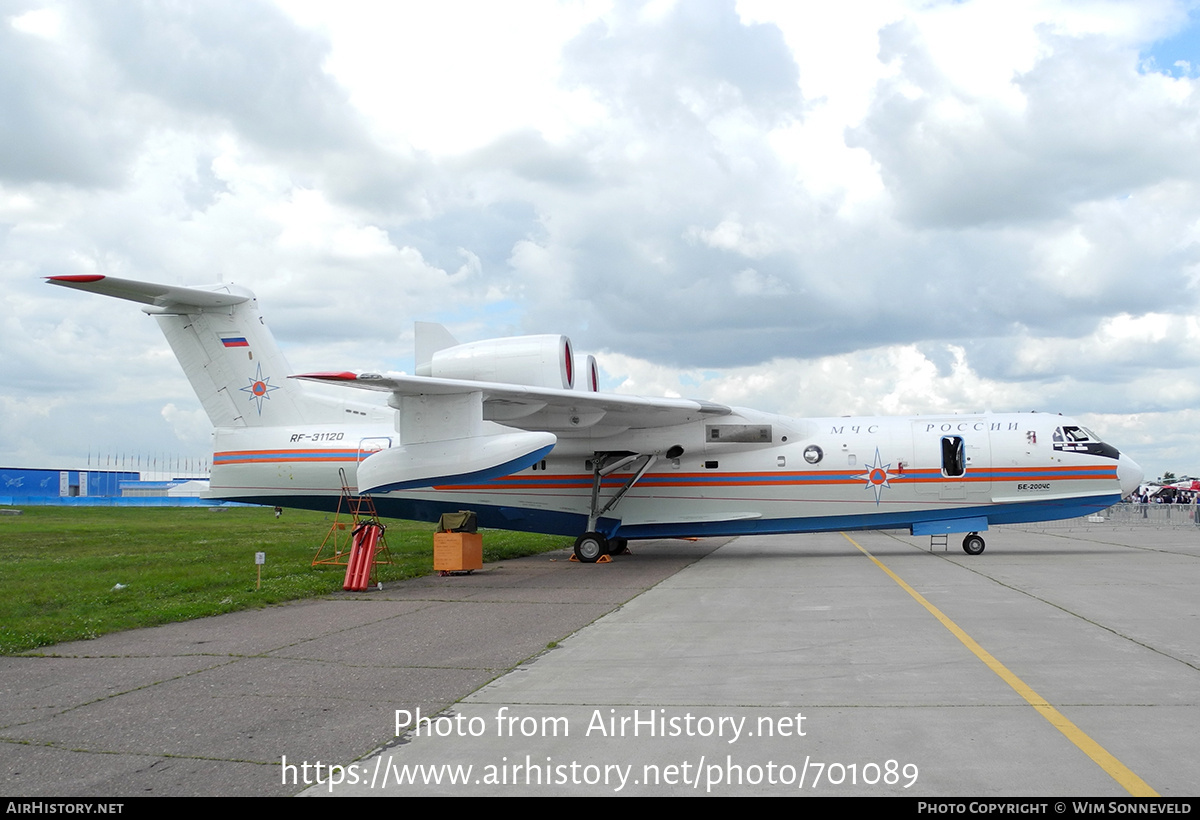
<point x="973" y="544"/>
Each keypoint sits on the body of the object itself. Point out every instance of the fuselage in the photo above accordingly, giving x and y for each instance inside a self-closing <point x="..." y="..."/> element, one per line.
<point x="749" y="472"/>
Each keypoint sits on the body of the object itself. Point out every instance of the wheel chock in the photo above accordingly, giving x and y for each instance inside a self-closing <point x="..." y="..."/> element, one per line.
<point x="603" y="559"/>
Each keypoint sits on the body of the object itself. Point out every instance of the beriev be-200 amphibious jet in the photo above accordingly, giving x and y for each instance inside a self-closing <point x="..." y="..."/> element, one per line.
<point x="516" y="430"/>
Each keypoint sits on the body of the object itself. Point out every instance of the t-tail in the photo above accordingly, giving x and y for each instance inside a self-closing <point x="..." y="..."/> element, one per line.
<point x="228" y="353"/>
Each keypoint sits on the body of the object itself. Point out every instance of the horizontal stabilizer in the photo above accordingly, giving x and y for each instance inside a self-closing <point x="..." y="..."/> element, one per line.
<point x="452" y="461"/>
<point x="148" y="293"/>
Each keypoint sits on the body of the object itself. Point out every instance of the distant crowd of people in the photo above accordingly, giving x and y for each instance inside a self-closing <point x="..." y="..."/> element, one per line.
<point x="1163" y="495"/>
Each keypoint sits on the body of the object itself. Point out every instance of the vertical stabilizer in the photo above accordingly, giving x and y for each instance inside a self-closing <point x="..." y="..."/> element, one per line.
<point x="218" y="334"/>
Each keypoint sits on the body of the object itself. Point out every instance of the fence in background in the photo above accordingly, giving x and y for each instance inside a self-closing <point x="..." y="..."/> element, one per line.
<point x="1126" y="516"/>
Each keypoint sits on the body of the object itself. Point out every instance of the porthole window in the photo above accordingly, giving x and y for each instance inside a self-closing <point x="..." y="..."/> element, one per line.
<point x="813" y="454"/>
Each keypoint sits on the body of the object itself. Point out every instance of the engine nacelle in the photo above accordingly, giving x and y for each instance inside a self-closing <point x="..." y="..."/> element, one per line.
<point x="535" y="361"/>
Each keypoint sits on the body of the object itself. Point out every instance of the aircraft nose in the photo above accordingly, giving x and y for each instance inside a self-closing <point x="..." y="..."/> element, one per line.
<point x="1129" y="473"/>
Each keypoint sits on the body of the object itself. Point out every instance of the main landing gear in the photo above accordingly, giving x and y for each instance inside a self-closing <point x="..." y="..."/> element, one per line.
<point x="973" y="544"/>
<point x="592" y="546"/>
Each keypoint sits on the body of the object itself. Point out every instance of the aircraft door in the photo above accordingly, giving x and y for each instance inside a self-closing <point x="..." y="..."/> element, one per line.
<point x="952" y="459"/>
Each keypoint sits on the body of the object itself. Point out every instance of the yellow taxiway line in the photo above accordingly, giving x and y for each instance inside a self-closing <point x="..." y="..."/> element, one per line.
<point x="1103" y="758"/>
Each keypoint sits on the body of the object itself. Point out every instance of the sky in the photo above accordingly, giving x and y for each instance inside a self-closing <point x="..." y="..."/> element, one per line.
<point x="809" y="208"/>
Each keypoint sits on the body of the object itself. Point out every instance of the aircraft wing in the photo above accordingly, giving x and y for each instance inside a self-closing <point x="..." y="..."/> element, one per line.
<point x="540" y="408"/>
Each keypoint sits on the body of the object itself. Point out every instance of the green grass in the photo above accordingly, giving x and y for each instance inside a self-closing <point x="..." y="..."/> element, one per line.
<point x="59" y="566"/>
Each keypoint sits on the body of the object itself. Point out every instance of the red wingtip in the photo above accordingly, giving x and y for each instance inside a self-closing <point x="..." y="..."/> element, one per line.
<point x="79" y="277"/>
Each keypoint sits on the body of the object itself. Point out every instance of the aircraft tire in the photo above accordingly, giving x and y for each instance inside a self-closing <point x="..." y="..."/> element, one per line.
<point x="618" y="546"/>
<point x="973" y="544"/>
<point x="590" y="546"/>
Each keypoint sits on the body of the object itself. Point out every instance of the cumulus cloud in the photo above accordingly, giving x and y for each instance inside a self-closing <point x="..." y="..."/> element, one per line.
<point x="60" y="119"/>
<point x="1081" y="125"/>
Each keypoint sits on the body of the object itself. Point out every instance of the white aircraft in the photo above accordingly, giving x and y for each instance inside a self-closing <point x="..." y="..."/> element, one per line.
<point x="499" y="427"/>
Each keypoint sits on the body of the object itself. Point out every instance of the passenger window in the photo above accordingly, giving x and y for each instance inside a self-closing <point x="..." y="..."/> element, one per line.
<point x="954" y="460"/>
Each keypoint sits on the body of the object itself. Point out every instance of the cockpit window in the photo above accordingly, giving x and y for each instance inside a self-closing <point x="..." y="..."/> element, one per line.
<point x="1078" y="439"/>
<point x="1074" y="434"/>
